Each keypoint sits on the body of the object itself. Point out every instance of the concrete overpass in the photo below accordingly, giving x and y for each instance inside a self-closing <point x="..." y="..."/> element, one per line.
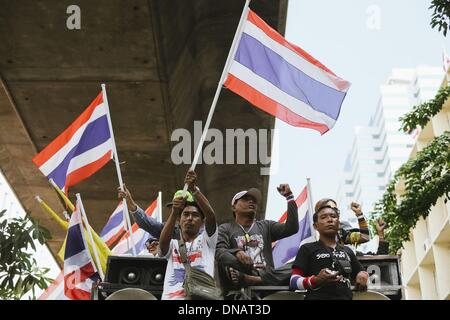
<point x="161" y="61"/>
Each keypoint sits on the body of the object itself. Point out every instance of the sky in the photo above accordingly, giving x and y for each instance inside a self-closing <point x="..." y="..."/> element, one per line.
<point x="360" y="41"/>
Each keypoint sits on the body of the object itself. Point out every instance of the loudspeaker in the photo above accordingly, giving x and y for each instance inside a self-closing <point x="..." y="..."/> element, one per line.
<point x="384" y="275"/>
<point x="142" y="272"/>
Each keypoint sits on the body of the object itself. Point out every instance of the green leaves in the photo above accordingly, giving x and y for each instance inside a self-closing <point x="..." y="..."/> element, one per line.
<point x="426" y="178"/>
<point x="19" y="273"/>
<point x="441" y="15"/>
<point x="421" y="114"/>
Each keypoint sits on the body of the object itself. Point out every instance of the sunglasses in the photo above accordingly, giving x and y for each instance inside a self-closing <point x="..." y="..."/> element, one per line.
<point x="335" y="209"/>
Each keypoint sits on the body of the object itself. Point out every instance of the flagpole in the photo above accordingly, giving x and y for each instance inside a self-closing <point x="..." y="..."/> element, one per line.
<point x="62" y="194"/>
<point x="311" y="207"/>
<point x="88" y="227"/>
<point x="119" y="174"/>
<point x="46" y="207"/>
<point x="231" y="53"/>
<point x="159" y="206"/>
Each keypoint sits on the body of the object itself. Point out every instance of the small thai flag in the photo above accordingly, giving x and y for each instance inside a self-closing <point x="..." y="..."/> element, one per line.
<point x="283" y="80"/>
<point x="115" y="227"/>
<point x="80" y="273"/>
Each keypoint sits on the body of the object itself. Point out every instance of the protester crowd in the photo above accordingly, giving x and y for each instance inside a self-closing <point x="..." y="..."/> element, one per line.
<point x="238" y="254"/>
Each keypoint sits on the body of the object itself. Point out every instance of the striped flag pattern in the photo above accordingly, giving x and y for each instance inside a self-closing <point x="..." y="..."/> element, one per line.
<point x="283" y="80"/>
<point x="140" y="236"/>
<point x="80" y="150"/>
<point x="286" y="249"/>
<point x="80" y="272"/>
<point x="115" y="227"/>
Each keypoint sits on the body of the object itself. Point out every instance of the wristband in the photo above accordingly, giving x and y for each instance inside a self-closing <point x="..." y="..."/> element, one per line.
<point x="289" y="196"/>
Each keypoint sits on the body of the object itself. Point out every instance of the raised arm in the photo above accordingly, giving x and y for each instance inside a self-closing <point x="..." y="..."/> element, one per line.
<point x="363" y="226"/>
<point x="202" y="202"/>
<point x="137" y="214"/>
<point x="166" y="233"/>
<point x="290" y="227"/>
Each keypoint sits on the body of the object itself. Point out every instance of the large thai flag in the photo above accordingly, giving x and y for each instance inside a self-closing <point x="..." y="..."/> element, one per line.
<point x="286" y="249"/>
<point x="283" y="80"/>
<point x="80" y="150"/>
<point x="80" y="272"/>
<point x="140" y="236"/>
<point x="115" y="227"/>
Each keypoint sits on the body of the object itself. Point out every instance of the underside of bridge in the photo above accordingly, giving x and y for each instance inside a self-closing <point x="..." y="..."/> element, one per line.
<point x="161" y="61"/>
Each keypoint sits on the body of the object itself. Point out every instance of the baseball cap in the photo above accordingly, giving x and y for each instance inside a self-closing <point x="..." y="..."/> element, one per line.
<point x="255" y="193"/>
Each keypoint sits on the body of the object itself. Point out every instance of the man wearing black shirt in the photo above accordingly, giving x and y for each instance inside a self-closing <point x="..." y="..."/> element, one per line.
<point x="325" y="268"/>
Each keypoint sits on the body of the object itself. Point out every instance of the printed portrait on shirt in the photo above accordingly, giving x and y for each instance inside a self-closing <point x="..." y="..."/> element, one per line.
<point x="253" y="246"/>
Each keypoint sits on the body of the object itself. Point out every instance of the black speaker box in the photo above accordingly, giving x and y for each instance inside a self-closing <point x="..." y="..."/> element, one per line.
<point x="384" y="274"/>
<point x="133" y="272"/>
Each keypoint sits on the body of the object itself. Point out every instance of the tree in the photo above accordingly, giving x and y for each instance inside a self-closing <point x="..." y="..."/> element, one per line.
<point x="426" y="177"/>
<point x="441" y="15"/>
<point x="19" y="272"/>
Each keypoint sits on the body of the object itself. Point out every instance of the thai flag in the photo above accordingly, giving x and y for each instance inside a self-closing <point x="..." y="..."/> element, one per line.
<point x="80" y="150"/>
<point x="283" y="80"/>
<point x="286" y="249"/>
<point x="80" y="272"/>
<point x="140" y="236"/>
<point x="115" y="227"/>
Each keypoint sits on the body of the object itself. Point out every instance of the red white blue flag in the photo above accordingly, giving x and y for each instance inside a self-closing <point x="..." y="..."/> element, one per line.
<point x="115" y="227"/>
<point x="80" y="150"/>
<point x="80" y="273"/>
<point x="140" y="236"/>
<point x="283" y="80"/>
<point x="286" y="249"/>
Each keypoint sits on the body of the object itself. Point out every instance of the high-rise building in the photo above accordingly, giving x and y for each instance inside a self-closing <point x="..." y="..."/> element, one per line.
<point x="380" y="148"/>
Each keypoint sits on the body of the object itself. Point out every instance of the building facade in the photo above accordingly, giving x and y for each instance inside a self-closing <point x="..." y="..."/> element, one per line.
<point x="425" y="258"/>
<point x="379" y="148"/>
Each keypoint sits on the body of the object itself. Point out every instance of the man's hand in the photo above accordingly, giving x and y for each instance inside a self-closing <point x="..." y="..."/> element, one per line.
<point x="325" y="277"/>
<point x="190" y="179"/>
<point x="361" y="281"/>
<point x="178" y="205"/>
<point x="284" y="189"/>
<point x="356" y="207"/>
<point x="380" y="225"/>
<point x="244" y="259"/>
<point x="132" y="206"/>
